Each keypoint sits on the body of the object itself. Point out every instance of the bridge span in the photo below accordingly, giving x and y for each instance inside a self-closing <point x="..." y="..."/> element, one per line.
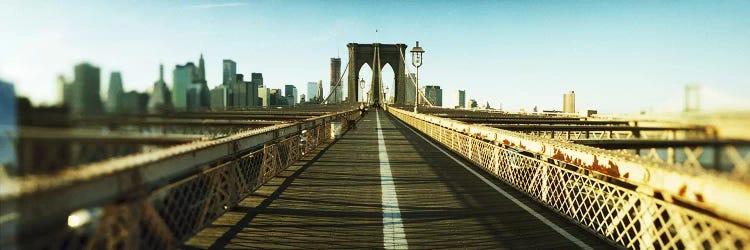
<point x="391" y="179"/>
<point x="342" y="197"/>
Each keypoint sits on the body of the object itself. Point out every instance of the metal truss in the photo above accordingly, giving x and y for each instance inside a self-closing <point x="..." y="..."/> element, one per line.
<point x="638" y="215"/>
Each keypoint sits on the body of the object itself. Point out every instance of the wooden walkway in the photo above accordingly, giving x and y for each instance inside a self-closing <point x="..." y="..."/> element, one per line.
<point x="332" y="199"/>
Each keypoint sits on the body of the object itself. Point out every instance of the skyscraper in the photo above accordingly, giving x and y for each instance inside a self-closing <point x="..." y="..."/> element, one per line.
<point x="240" y="90"/>
<point x="290" y="92"/>
<point x="204" y="95"/>
<point x="114" y="93"/>
<point x="134" y="102"/>
<point x="312" y="91"/>
<point x="336" y="87"/>
<point x="276" y="97"/>
<point x="197" y="96"/>
<point x="161" y="98"/>
<point x="252" y="93"/>
<point x="66" y="91"/>
<point x="218" y="97"/>
<point x="8" y="128"/>
<point x="264" y="94"/>
<point x="461" y="99"/>
<point x="321" y="97"/>
<point x="230" y="72"/>
<point x="257" y="79"/>
<point x="86" y="98"/>
<point x="410" y="92"/>
<point x="183" y="77"/>
<point x="434" y="94"/>
<point x="569" y="102"/>
<point x="190" y="89"/>
<point x="201" y="70"/>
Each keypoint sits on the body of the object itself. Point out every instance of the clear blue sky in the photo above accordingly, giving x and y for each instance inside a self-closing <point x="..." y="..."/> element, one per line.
<point x="618" y="56"/>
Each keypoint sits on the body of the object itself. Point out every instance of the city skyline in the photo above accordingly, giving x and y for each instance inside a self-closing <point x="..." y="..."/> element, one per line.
<point x="521" y="54"/>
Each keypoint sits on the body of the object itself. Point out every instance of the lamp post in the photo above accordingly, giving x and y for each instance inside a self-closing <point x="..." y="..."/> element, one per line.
<point x="384" y="94"/>
<point x="362" y="88"/>
<point x="416" y="60"/>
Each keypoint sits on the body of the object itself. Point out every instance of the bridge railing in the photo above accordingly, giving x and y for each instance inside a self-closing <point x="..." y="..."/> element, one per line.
<point x="633" y="207"/>
<point x="152" y="200"/>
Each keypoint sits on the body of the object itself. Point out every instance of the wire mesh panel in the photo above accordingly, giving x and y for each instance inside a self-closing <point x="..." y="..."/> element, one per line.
<point x="163" y="218"/>
<point x="631" y="218"/>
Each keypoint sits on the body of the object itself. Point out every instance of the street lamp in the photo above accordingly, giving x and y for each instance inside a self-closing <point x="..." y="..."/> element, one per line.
<point x="362" y="87"/>
<point x="416" y="60"/>
<point x="384" y="94"/>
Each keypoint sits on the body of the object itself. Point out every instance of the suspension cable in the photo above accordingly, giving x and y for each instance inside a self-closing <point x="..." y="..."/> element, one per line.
<point x="375" y="52"/>
<point x="337" y="84"/>
<point x="413" y="82"/>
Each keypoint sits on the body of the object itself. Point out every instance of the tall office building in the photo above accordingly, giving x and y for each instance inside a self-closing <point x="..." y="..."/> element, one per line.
<point x="277" y="98"/>
<point x="461" y="99"/>
<point x="264" y="95"/>
<point x="203" y="95"/>
<point x="336" y="86"/>
<point x="302" y="98"/>
<point x="230" y="72"/>
<point x="201" y="70"/>
<point x="321" y="97"/>
<point x="410" y="89"/>
<point x="86" y="97"/>
<point x="134" y="102"/>
<point x="312" y="91"/>
<point x="219" y="97"/>
<point x="243" y="93"/>
<point x="114" y="92"/>
<point x="188" y="78"/>
<point x="252" y="93"/>
<point x="240" y="95"/>
<point x="182" y="77"/>
<point x="257" y="79"/>
<point x="434" y="94"/>
<point x="290" y="92"/>
<point x="8" y="128"/>
<point x="198" y="96"/>
<point x="161" y="98"/>
<point x="66" y="91"/>
<point x="238" y="91"/>
<point x="569" y="102"/>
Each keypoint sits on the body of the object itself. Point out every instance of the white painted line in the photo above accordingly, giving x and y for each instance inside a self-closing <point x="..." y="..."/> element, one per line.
<point x="393" y="227"/>
<point x="543" y="219"/>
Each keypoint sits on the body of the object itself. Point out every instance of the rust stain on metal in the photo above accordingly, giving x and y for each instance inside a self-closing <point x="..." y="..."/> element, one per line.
<point x="682" y="190"/>
<point x="610" y="169"/>
<point x="626" y="175"/>
<point x="558" y="154"/>
<point x="506" y="142"/>
<point x="699" y="197"/>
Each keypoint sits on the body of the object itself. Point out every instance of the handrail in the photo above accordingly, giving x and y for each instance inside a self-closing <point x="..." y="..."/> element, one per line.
<point x="632" y="218"/>
<point x="723" y="194"/>
<point x="56" y="195"/>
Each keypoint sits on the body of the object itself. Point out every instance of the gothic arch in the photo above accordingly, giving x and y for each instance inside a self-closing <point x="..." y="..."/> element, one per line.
<point x="389" y="54"/>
